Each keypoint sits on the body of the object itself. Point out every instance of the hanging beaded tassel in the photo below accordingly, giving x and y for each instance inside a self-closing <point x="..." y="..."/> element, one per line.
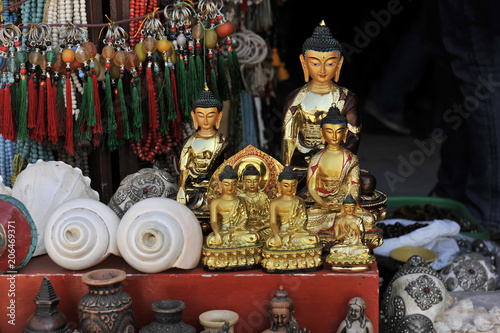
<point x="111" y="142"/>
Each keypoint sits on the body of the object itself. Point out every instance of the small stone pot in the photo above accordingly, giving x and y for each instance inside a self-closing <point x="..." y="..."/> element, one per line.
<point x="213" y="320"/>
<point x="106" y="308"/>
<point x="168" y="318"/>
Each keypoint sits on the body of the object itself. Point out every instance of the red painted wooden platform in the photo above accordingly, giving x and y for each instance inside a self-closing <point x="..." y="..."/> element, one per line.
<point x="320" y="297"/>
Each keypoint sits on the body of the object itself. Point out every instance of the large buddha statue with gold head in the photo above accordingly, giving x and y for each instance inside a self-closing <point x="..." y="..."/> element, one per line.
<point x="202" y="153"/>
<point x="321" y="61"/>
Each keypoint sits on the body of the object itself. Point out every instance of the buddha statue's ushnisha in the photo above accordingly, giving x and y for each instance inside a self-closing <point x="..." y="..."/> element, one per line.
<point x="349" y="251"/>
<point x="257" y="202"/>
<point x="333" y="173"/>
<point x="230" y="245"/>
<point x="202" y="153"/>
<point x="281" y="314"/>
<point x="321" y="61"/>
<point x="291" y="246"/>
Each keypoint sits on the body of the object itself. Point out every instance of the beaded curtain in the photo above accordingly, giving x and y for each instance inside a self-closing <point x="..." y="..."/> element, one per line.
<point x="59" y="96"/>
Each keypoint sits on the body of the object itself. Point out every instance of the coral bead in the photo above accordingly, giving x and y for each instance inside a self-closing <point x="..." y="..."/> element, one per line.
<point x="225" y="29"/>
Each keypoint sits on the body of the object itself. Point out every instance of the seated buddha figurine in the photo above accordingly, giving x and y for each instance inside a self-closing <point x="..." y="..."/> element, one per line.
<point x="333" y="173"/>
<point x="257" y="202"/>
<point x="291" y="246"/>
<point x="305" y="107"/>
<point x="349" y="231"/>
<point x="230" y="245"/>
<point x="202" y="153"/>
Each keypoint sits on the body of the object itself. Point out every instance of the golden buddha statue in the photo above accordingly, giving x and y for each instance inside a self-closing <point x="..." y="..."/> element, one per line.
<point x="257" y="202"/>
<point x="230" y="245"/>
<point x="281" y="314"/>
<point x="349" y="251"/>
<point x="291" y="246"/>
<point x="333" y="173"/>
<point x="202" y="153"/>
<point x="321" y="61"/>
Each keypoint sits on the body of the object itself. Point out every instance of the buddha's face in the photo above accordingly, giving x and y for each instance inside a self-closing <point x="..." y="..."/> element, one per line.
<point x="354" y="312"/>
<point x="349" y="208"/>
<point x="251" y="183"/>
<point x="228" y="186"/>
<point x="206" y="118"/>
<point x="288" y="187"/>
<point x="322" y="67"/>
<point x="334" y="135"/>
<point x="280" y="317"/>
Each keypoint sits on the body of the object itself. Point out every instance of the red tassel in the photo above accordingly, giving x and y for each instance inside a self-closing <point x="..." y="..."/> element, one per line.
<point x="8" y="122"/>
<point x="32" y="106"/>
<point x="97" y="129"/>
<point x="118" y="115"/>
<point x="40" y="127"/>
<point x="176" y="126"/>
<point x="68" y="145"/>
<point x="1" y="107"/>
<point x="153" y="122"/>
<point x="51" y="111"/>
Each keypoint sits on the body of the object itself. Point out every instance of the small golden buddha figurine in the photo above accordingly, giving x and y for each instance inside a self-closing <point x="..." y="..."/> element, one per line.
<point x="349" y="252"/>
<point x="281" y="314"/>
<point x="321" y="61"/>
<point x="291" y="246"/>
<point x="257" y="202"/>
<point x="202" y="153"/>
<point x="230" y="245"/>
<point x="356" y="320"/>
<point x="333" y="173"/>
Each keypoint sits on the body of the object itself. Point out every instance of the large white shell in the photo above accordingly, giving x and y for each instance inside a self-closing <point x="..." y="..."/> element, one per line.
<point x="44" y="186"/>
<point x="158" y="233"/>
<point x="81" y="233"/>
<point x="4" y="189"/>
<point x="145" y="183"/>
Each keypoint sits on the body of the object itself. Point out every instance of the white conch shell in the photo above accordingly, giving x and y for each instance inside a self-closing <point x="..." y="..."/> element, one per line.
<point x="441" y="328"/>
<point x="158" y="233"/>
<point x="44" y="186"/>
<point x="4" y="189"/>
<point x="81" y="233"/>
<point x="495" y="314"/>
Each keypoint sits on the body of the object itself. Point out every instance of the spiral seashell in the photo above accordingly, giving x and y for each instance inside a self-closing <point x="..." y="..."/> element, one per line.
<point x="44" y="186"/>
<point x="81" y="233"/>
<point x="158" y="233"/>
<point x="4" y="189"/>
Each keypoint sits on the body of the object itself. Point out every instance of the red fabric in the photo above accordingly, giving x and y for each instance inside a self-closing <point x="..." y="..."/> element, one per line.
<point x="69" y="145"/>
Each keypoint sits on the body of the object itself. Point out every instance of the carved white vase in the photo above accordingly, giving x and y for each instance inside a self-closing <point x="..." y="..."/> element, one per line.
<point x="158" y="233"/>
<point x="44" y="186"/>
<point x="81" y="233"/>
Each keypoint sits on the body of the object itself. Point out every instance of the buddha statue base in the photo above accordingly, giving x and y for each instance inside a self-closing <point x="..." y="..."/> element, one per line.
<point x="307" y="260"/>
<point x="349" y="264"/>
<point x="232" y="258"/>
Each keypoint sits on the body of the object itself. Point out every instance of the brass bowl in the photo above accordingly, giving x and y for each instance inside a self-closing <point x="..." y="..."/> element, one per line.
<point x="404" y="253"/>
